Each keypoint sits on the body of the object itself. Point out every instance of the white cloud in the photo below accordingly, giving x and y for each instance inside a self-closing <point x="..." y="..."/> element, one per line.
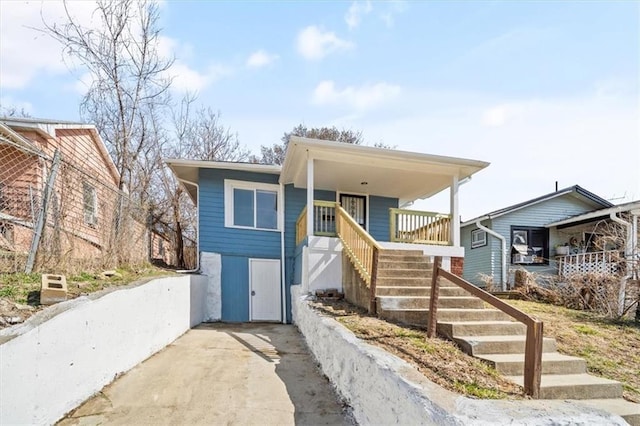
<point x="502" y="114"/>
<point x="261" y="58"/>
<point x="26" y="52"/>
<point x="359" y="98"/>
<point x="186" y="79"/>
<point x="357" y="9"/>
<point x="314" y="43"/>
<point x="393" y="9"/>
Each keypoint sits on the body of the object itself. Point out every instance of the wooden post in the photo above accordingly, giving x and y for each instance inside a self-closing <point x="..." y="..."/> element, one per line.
<point x="533" y="359"/>
<point x="393" y="234"/>
<point x="42" y="217"/>
<point x="433" y="299"/>
<point x="372" y="288"/>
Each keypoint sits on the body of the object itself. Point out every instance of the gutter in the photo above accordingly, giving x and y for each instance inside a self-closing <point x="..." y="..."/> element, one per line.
<point x="197" y="268"/>
<point x="503" y="244"/>
<point x="628" y="249"/>
<point x="283" y="261"/>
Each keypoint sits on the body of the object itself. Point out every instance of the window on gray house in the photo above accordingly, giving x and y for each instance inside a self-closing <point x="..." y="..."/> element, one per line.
<point x="529" y="245"/>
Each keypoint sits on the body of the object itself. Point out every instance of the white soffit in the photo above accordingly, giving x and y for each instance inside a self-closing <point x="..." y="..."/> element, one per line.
<point x="392" y="173"/>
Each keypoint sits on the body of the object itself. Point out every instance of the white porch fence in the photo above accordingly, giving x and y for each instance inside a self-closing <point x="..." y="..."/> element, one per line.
<point x="599" y="262"/>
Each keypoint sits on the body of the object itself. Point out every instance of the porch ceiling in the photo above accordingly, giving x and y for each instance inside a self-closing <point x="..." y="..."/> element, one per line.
<point x="391" y="173"/>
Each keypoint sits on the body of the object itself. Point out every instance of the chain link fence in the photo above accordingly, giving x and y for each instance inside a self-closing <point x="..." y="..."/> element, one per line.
<point x="59" y="213"/>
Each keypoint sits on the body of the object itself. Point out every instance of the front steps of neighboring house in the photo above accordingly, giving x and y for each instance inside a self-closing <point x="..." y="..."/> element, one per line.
<point x="403" y="287"/>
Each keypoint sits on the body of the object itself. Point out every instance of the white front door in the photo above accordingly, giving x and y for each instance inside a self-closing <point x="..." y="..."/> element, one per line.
<point x="265" y="300"/>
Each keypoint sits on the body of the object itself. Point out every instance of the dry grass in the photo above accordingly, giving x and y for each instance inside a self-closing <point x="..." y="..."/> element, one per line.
<point x="610" y="348"/>
<point x="20" y="291"/>
<point x="439" y="360"/>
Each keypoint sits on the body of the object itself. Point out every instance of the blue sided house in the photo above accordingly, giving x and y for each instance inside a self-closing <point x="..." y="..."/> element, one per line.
<point x="263" y="228"/>
<point x="531" y="235"/>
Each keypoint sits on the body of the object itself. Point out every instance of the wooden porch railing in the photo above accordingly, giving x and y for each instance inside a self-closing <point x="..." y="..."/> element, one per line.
<point x="324" y="220"/>
<point x="412" y="226"/>
<point x="361" y="248"/>
<point x="601" y="262"/>
<point x="533" y="344"/>
<point x="301" y="226"/>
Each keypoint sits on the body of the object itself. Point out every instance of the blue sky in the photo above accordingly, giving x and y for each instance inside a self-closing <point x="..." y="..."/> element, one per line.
<point x="544" y="91"/>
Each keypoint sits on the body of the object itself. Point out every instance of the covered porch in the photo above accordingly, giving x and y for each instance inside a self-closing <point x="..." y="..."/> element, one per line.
<point x="356" y="204"/>
<point x="601" y="242"/>
<point x="359" y="176"/>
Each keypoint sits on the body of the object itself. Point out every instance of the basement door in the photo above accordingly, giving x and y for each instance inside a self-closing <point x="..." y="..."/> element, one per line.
<point x="264" y="281"/>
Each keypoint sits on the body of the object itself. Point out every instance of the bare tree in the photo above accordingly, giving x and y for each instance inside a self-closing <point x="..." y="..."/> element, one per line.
<point x="128" y="76"/>
<point x="196" y="134"/>
<point x="275" y="154"/>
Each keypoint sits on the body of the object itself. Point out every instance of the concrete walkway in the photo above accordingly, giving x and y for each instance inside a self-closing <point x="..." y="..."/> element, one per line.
<point x="221" y="374"/>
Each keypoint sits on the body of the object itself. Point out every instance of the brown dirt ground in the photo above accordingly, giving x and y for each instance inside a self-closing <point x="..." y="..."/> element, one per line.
<point x="611" y="349"/>
<point x="439" y="360"/>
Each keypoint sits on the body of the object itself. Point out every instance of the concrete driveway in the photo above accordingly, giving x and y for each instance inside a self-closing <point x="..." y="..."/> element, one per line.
<point x="227" y="374"/>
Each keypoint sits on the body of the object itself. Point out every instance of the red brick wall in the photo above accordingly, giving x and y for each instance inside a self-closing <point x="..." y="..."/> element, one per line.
<point x="457" y="263"/>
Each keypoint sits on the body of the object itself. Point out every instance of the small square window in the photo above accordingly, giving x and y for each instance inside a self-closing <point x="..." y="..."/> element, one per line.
<point x="478" y="238"/>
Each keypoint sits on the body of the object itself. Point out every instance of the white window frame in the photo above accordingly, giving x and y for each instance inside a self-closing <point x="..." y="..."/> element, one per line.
<point x="91" y="221"/>
<point x="481" y="242"/>
<point x="230" y="185"/>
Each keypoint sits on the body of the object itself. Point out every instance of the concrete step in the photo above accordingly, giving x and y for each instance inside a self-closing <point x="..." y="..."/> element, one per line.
<point x="404" y="272"/>
<point x="418" y="258"/>
<point x="392" y="253"/>
<point x="402" y="264"/>
<point x="422" y="302"/>
<point x="416" y="281"/>
<point x="419" y="317"/>
<point x="628" y="410"/>
<point x="574" y="386"/>
<point x="417" y="291"/>
<point x="481" y="328"/>
<point x="476" y="345"/>
<point x="552" y="363"/>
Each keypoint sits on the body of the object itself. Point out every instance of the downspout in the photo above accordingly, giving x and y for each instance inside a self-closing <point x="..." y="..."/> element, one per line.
<point x="634" y="242"/>
<point x="197" y="268"/>
<point x="503" y="244"/>
<point x="283" y="261"/>
<point x="627" y="253"/>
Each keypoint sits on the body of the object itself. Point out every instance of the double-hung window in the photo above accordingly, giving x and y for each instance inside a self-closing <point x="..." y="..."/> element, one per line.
<point x="252" y="205"/>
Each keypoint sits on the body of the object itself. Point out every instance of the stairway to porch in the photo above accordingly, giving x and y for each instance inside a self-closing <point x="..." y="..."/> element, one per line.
<point x="403" y="287"/>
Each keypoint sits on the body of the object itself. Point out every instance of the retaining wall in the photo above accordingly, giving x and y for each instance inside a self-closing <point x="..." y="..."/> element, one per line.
<point x="65" y="354"/>
<point x="383" y="389"/>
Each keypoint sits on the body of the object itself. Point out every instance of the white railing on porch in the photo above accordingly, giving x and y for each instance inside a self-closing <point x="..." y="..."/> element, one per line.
<point x="599" y="262"/>
<point x="412" y="226"/>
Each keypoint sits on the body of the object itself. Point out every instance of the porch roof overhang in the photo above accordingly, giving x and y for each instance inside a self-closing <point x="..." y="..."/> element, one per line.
<point x="187" y="171"/>
<point x="362" y="169"/>
<point x="633" y="207"/>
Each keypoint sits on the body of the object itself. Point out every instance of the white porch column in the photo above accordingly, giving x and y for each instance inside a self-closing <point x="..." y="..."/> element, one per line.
<point x="309" y="195"/>
<point x="455" y="212"/>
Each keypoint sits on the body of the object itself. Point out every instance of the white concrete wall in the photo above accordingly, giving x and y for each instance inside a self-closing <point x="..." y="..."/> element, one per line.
<point x="324" y="263"/>
<point x="211" y="266"/>
<point x="65" y="354"/>
<point x="383" y="389"/>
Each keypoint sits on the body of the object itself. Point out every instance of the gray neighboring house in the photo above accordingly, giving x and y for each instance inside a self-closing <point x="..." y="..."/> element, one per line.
<point x="518" y="237"/>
